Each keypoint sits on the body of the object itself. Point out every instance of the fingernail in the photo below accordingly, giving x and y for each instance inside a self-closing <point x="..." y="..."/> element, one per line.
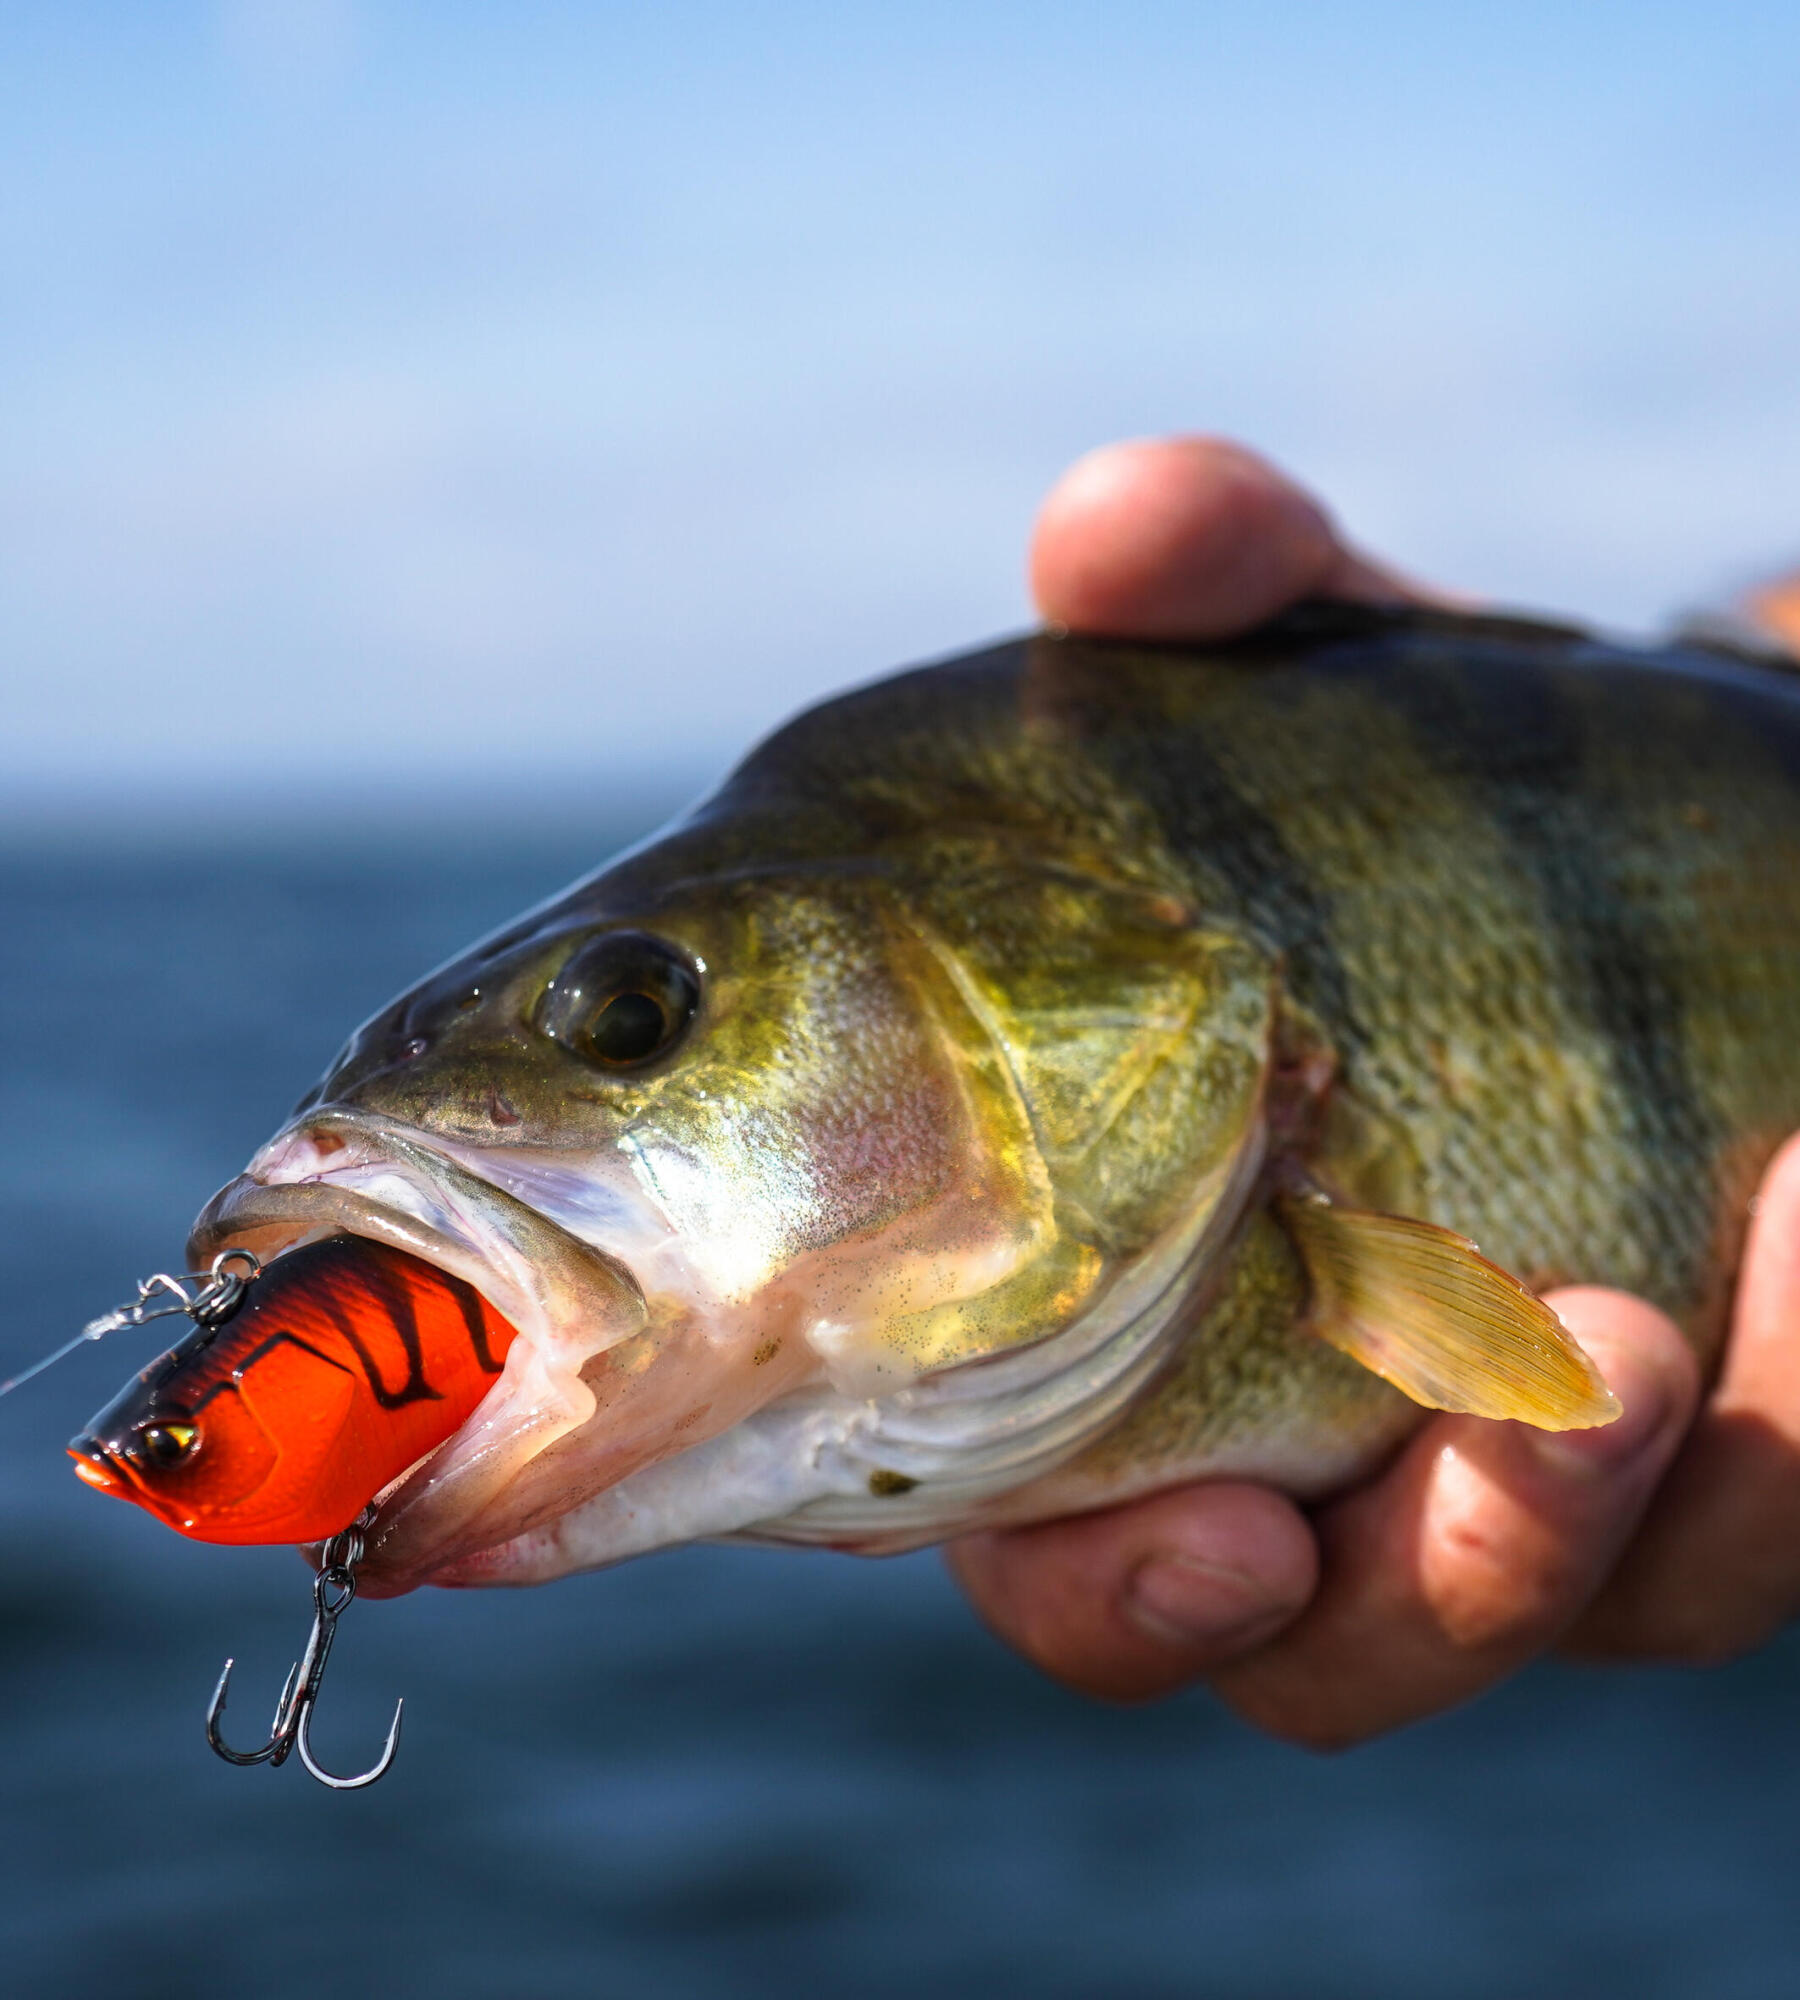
<point x="1179" y="1601"/>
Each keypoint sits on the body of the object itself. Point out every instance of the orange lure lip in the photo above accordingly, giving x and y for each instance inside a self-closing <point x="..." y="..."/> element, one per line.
<point x="347" y="1362"/>
<point x="95" y="1472"/>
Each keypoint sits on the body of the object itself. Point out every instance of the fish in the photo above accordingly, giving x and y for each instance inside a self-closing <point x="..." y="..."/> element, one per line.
<point x="1066" y="1071"/>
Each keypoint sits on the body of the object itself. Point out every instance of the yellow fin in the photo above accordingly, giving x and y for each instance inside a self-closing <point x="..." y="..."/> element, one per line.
<point x="1423" y="1308"/>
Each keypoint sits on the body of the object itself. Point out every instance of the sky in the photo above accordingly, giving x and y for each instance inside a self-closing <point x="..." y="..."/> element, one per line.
<point x="491" y="402"/>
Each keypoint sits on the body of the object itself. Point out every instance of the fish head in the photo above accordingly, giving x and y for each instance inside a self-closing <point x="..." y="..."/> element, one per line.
<point x="702" y="1143"/>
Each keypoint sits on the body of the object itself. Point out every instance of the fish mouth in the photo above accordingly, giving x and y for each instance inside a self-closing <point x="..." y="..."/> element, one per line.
<point x="342" y="1171"/>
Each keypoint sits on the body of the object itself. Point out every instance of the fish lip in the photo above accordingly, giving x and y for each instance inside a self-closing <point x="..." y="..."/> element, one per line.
<point x="107" y="1470"/>
<point x="282" y="1214"/>
<point x="92" y="1456"/>
<point x="270" y="1216"/>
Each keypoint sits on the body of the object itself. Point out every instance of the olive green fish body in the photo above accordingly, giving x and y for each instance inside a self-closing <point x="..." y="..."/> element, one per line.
<point x="1036" y="989"/>
<point x="1536" y="899"/>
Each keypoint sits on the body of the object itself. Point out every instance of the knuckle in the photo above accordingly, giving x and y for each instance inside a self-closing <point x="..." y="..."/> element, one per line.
<point x="1490" y="1594"/>
<point x="1501" y="1574"/>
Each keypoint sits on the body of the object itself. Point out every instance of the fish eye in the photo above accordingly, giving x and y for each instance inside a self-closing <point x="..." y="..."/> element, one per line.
<point x="166" y="1444"/>
<point x="621" y="1000"/>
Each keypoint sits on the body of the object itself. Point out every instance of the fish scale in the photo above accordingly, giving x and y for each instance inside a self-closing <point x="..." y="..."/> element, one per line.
<point x="1611" y="1171"/>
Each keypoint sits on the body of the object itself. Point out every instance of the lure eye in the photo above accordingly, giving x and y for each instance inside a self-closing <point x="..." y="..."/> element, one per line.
<point x="621" y="1000"/>
<point x="166" y="1444"/>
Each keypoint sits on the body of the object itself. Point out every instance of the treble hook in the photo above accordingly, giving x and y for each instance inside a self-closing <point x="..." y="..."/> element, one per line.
<point x="333" y="1589"/>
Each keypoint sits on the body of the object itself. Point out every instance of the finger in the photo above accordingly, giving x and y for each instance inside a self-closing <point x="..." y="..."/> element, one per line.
<point x="1190" y="538"/>
<point x="1774" y="608"/>
<point x="1716" y="1567"/>
<point x="1143" y="1599"/>
<point x="1476" y="1550"/>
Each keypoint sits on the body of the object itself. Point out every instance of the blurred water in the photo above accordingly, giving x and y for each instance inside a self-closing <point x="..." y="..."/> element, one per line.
<point x="715" y="1772"/>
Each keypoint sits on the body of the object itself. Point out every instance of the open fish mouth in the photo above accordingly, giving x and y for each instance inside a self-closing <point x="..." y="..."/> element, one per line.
<point x="339" y="1172"/>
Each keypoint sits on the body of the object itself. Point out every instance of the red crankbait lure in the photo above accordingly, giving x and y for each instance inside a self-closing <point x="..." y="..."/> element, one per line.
<point x="346" y="1363"/>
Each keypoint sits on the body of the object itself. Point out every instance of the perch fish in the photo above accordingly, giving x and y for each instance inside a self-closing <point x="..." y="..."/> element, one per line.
<point x="1030" y="1081"/>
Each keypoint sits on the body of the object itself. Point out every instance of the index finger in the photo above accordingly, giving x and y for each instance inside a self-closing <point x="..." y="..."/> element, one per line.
<point x="1189" y="538"/>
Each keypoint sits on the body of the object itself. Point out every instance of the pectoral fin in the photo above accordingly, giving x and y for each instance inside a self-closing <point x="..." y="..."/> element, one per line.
<point x="1423" y="1308"/>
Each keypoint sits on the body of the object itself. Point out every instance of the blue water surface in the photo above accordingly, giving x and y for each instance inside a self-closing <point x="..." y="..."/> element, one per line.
<point x="716" y="1772"/>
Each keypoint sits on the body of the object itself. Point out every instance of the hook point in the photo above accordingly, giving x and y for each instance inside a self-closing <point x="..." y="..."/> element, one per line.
<point x="389" y="1750"/>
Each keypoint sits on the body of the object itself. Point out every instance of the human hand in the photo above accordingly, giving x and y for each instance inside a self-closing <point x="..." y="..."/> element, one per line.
<point x="1662" y="1535"/>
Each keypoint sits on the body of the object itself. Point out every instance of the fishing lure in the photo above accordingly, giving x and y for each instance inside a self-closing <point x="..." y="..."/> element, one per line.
<point x="306" y="1386"/>
<point x="341" y="1366"/>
